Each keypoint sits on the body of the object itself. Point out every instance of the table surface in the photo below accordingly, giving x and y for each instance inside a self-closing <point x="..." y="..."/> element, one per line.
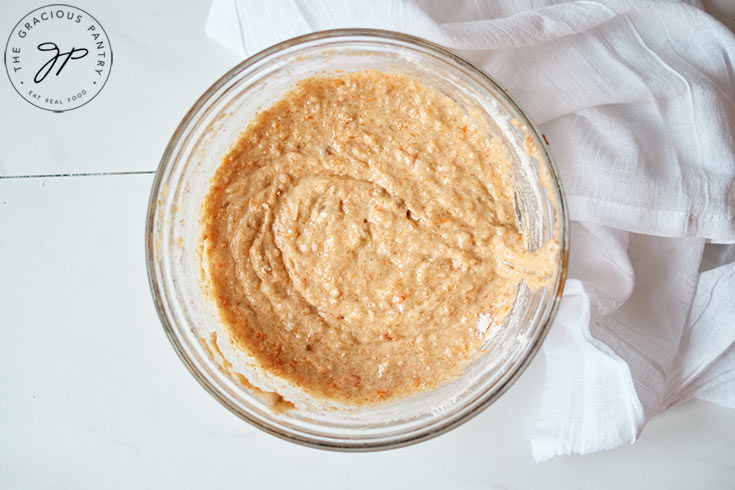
<point x="91" y="393"/>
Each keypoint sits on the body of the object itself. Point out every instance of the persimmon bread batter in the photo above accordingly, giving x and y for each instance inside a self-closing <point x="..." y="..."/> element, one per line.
<point x="360" y="237"/>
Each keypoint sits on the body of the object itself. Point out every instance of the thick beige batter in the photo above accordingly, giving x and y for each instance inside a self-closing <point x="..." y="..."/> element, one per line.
<point x="360" y="237"/>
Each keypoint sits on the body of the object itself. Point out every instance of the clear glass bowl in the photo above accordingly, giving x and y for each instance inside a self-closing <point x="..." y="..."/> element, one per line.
<point x="173" y="240"/>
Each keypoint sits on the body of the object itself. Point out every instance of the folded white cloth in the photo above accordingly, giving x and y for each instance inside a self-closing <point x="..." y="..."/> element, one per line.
<point x="637" y="100"/>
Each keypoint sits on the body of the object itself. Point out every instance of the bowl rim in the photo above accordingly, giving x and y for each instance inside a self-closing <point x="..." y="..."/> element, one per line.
<point x="334" y="444"/>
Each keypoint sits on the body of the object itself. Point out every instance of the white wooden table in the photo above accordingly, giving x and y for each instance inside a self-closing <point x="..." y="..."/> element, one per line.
<point x="92" y="395"/>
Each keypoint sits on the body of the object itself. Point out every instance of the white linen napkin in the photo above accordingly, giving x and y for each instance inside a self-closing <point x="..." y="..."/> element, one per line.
<point x="637" y="100"/>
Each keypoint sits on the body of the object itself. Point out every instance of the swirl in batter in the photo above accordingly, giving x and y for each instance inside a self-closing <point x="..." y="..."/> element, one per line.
<point x="360" y="237"/>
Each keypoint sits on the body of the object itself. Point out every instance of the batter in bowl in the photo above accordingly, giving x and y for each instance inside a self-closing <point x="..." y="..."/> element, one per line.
<point x="360" y="237"/>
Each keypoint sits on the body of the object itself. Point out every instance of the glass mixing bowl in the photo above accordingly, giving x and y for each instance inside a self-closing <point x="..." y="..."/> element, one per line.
<point x="175" y="269"/>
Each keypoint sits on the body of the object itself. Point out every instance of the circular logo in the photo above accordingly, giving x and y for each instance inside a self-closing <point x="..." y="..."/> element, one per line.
<point x="58" y="57"/>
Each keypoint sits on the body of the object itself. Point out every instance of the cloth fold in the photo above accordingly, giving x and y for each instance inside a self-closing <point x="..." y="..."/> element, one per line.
<point x="640" y="117"/>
